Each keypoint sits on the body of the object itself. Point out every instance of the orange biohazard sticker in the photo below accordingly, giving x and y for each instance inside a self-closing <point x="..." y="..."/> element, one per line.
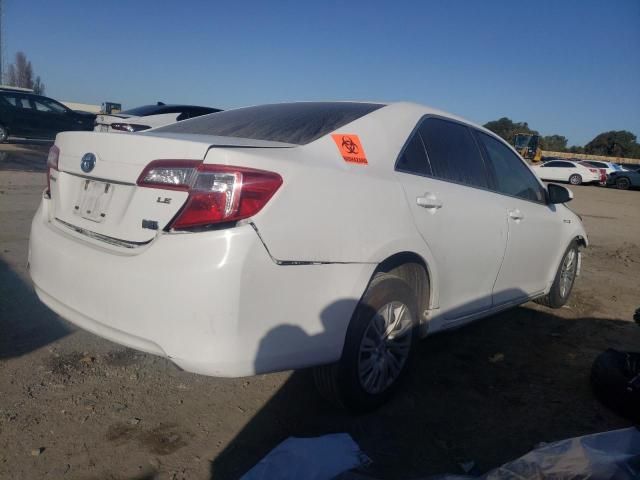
<point x="350" y="148"/>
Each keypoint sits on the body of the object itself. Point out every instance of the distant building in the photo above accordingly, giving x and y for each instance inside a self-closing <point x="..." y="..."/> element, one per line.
<point x="85" y="107"/>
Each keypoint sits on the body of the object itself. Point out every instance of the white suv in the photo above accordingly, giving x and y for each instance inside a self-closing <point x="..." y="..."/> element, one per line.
<point x="293" y="235"/>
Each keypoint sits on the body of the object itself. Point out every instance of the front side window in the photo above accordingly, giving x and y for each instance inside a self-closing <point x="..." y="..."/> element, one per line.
<point x="413" y="158"/>
<point x="453" y="153"/>
<point x="512" y="176"/>
<point x="46" y="105"/>
<point x="41" y="106"/>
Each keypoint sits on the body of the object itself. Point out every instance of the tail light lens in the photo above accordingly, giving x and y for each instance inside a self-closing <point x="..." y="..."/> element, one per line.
<point x="594" y="170"/>
<point x="217" y="193"/>
<point x="129" y="127"/>
<point x="52" y="164"/>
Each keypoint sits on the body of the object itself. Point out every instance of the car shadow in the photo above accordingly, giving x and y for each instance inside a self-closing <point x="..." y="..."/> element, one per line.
<point x="27" y="160"/>
<point x="486" y="393"/>
<point x="25" y="323"/>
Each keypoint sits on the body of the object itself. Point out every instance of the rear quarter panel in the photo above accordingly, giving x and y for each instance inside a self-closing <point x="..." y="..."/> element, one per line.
<point x="330" y="210"/>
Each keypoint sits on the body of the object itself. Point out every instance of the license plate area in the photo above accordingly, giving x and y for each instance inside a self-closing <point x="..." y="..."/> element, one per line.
<point x="93" y="200"/>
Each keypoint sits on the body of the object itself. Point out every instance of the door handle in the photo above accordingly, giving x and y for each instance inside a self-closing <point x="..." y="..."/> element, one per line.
<point x="429" y="200"/>
<point x="516" y="214"/>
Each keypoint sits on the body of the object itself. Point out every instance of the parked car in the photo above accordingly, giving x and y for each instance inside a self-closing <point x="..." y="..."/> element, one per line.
<point x="274" y="237"/>
<point x="149" y="116"/>
<point x="566" y="171"/>
<point x="624" y="179"/>
<point x="609" y="167"/>
<point x="27" y="115"/>
<point x="601" y="170"/>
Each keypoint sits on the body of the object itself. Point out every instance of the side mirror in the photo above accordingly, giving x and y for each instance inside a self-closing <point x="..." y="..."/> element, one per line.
<point x="559" y="194"/>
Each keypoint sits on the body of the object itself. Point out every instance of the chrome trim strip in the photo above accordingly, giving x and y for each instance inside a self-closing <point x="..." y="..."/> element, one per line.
<point x="103" y="238"/>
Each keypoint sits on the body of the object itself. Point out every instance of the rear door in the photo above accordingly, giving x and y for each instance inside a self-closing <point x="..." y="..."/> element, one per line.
<point x="445" y="182"/>
<point x="535" y="228"/>
<point x="22" y="121"/>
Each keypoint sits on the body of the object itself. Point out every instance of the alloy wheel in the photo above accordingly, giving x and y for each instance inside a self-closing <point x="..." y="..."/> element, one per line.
<point x="568" y="272"/>
<point x="623" y="183"/>
<point x="385" y="347"/>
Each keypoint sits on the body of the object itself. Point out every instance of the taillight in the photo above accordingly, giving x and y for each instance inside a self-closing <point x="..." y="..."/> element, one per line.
<point x="217" y="193"/>
<point x="594" y="170"/>
<point x="52" y="164"/>
<point x="129" y="127"/>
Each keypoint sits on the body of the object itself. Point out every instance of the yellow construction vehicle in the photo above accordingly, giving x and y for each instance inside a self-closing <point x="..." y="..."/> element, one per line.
<point x="528" y="146"/>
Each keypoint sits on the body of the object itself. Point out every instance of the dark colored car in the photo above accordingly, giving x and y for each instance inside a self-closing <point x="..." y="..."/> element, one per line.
<point x="27" y="115"/>
<point x="624" y="179"/>
<point x="149" y="116"/>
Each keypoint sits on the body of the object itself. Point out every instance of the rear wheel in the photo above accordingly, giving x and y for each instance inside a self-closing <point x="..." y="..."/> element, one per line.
<point x="575" y="179"/>
<point x="623" y="183"/>
<point x="564" y="280"/>
<point x="378" y="347"/>
<point x="4" y="134"/>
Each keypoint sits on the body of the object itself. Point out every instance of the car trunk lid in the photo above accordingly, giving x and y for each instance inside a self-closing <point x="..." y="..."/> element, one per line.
<point x="95" y="189"/>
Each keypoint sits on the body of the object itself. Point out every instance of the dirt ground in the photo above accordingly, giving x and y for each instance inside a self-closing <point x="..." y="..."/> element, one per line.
<point x="75" y="406"/>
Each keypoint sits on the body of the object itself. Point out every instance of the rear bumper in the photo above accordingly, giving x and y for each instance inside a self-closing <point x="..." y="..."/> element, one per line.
<point x="213" y="302"/>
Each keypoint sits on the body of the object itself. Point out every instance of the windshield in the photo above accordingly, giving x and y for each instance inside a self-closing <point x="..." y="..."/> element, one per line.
<point x="298" y="123"/>
<point x="522" y="141"/>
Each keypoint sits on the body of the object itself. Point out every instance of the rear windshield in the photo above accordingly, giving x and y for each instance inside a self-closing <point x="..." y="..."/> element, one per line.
<point x="297" y="123"/>
<point x="144" y="110"/>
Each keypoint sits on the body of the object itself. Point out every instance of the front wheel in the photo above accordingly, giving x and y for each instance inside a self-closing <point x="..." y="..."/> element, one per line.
<point x="623" y="183"/>
<point x="378" y="347"/>
<point x="575" y="179"/>
<point x="4" y="134"/>
<point x="565" y="277"/>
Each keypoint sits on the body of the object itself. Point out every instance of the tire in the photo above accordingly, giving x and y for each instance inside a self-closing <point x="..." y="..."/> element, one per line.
<point x="371" y="368"/>
<point x="4" y="134"/>
<point x="612" y="380"/>
<point x="563" y="282"/>
<point x="575" y="179"/>
<point x="623" y="183"/>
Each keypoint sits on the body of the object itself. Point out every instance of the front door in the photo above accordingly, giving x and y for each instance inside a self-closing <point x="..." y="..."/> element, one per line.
<point x="534" y="226"/>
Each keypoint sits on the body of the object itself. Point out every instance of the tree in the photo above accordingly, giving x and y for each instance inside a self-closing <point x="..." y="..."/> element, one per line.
<point x="576" y="149"/>
<point x="20" y="74"/>
<point x="507" y="128"/>
<point x="616" y="143"/>
<point x="38" y="86"/>
<point x="554" y="143"/>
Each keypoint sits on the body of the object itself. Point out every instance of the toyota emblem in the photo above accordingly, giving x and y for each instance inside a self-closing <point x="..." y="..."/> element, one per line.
<point x="88" y="162"/>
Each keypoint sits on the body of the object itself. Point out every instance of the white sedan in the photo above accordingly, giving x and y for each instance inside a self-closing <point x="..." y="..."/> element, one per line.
<point x="566" y="171"/>
<point x="148" y="116"/>
<point x="285" y="236"/>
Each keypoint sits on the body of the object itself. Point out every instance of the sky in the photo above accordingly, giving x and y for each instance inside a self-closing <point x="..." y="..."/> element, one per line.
<point x="568" y="67"/>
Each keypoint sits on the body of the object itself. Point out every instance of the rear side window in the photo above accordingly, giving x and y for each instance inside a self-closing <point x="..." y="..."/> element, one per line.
<point x="453" y="152"/>
<point x="413" y="158"/>
<point x="297" y="123"/>
<point x="512" y="177"/>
